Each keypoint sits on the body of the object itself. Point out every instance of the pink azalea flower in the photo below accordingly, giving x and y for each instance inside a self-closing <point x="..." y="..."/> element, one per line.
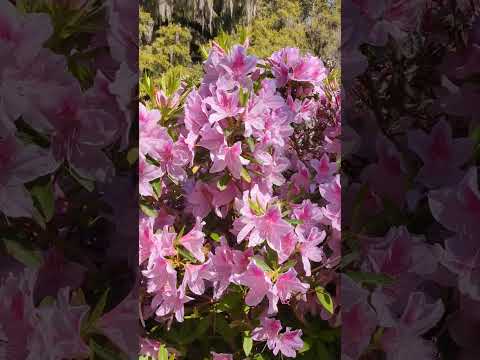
<point x="308" y="213"/>
<point x="358" y="319"/>
<point x="20" y="164"/>
<point x="212" y="137"/>
<point x="200" y="199"/>
<point x="171" y="301"/>
<point x="222" y="356"/>
<point x="332" y="193"/>
<point x="442" y="156"/>
<point x="258" y="283"/>
<point x="288" y="243"/>
<point x="149" y="347"/>
<point x="238" y="64"/>
<point x="288" y="64"/>
<point x="172" y="157"/>
<point x="21" y="35"/>
<point x="195" y="113"/>
<point x="193" y="241"/>
<point x="288" y="284"/>
<point x="146" y="238"/>
<point x="301" y="179"/>
<point x="268" y="331"/>
<point x="222" y="268"/>
<point x="288" y="343"/>
<point x="159" y="273"/>
<point x="458" y="207"/>
<point x="253" y="117"/>
<point x="57" y="329"/>
<point x="224" y="105"/>
<point x="272" y="167"/>
<point x="147" y="173"/>
<point x="229" y="157"/>
<point x="324" y="168"/>
<point x="195" y="275"/>
<point x="310" y="251"/>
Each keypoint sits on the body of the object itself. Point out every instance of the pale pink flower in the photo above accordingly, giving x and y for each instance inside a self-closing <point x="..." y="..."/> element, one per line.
<point x="324" y="168"/>
<point x="172" y="157"/>
<point x="288" y="343"/>
<point x="147" y="173"/>
<point x="230" y="158"/>
<point x="195" y="113"/>
<point x="332" y="192"/>
<point x="195" y="275"/>
<point x="288" y="284"/>
<point x="149" y="347"/>
<point x="212" y="137"/>
<point x="159" y="273"/>
<point x="258" y="283"/>
<point x="224" y="105"/>
<point x="171" y="301"/>
<point x="193" y="241"/>
<point x="272" y="167"/>
<point x="222" y="268"/>
<point x="268" y="331"/>
<point x="222" y="356"/>
<point x="310" y="251"/>
<point x="442" y="155"/>
<point x="288" y="243"/>
<point x="20" y="164"/>
<point x="308" y="213"/>
<point x="238" y="64"/>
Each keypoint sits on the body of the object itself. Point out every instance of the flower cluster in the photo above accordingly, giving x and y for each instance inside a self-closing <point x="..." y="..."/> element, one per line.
<point x="229" y="206"/>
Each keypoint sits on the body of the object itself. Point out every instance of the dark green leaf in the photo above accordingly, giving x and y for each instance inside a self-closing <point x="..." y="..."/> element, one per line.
<point x="44" y="199"/>
<point x="324" y="298"/>
<point x="28" y="257"/>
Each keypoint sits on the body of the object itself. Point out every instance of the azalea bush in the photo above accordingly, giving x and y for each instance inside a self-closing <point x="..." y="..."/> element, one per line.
<point x="239" y="237"/>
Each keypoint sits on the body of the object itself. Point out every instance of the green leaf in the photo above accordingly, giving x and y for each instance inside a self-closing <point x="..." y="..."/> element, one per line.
<point x="247" y="344"/>
<point x="186" y="254"/>
<point x="245" y="175"/>
<point x="44" y="199"/>
<point x="132" y="156"/>
<point x="261" y="263"/>
<point x="222" y="183"/>
<point x="306" y="347"/>
<point x="289" y="264"/>
<point x="89" y="185"/>
<point x="102" y="352"/>
<point x="370" y="278"/>
<point x="148" y="210"/>
<point x="294" y="221"/>
<point x="251" y="144"/>
<point x="163" y="353"/>
<point x="324" y="298"/>
<point x="215" y="237"/>
<point x="28" y="257"/>
<point x="157" y="187"/>
<point x="97" y="311"/>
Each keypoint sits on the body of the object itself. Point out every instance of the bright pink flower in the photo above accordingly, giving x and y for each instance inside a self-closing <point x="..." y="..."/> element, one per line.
<point x="172" y="157"/>
<point x="193" y="241"/>
<point x="268" y="331"/>
<point x="238" y="64"/>
<point x="288" y="343"/>
<point x="258" y="283"/>
<point x="288" y="243"/>
<point x="224" y="105"/>
<point x="324" y="168"/>
<point x="458" y="207"/>
<point x="212" y="137"/>
<point x="272" y="167"/>
<point x="222" y="268"/>
<point x="159" y="273"/>
<point x="195" y="113"/>
<point x="171" y="301"/>
<point x="308" y="213"/>
<point x="310" y="251"/>
<point x="442" y="156"/>
<point x="229" y="157"/>
<point x="57" y="329"/>
<point x="288" y="284"/>
<point x="20" y="164"/>
<point x="332" y="192"/>
<point x="289" y="64"/>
